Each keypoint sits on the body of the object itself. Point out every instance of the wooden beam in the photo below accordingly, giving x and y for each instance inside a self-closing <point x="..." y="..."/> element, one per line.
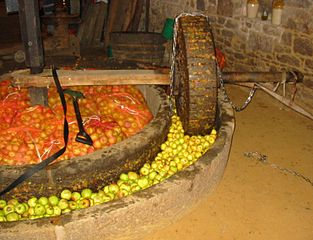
<point x="23" y="78"/>
<point x="113" y="7"/>
<point x="137" y="17"/>
<point x="147" y="18"/>
<point x="31" y="34"/>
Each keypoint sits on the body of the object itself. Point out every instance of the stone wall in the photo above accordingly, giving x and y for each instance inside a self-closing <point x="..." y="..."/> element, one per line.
<point x="253" y="44"/>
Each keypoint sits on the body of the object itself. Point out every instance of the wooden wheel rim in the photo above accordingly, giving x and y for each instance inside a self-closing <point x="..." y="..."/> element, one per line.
<point x="195" y="75"/>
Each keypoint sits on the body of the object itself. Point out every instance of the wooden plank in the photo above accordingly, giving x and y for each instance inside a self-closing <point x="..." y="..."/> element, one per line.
<point x="23" y="78"/>
<point x="94" y="12"/>
<point x="137" y="16"/>
<point x="147" y="18"/>
<point x="99" y="23"/>
<point x="83" y="25"/>
<point x="113" y="8"/>
<point x="129" y="15"/>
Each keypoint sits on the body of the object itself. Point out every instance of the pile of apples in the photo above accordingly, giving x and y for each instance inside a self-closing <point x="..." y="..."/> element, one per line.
<point x="177" y="152"/>
<point x="30" y="134"/>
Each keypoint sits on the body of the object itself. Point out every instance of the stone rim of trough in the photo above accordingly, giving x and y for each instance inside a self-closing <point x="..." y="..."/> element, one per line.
<point x="135" y="216"/>
<point x="130" y="153"/>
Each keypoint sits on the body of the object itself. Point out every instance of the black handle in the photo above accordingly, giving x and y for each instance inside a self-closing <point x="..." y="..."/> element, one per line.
<point x="81" y="136"/>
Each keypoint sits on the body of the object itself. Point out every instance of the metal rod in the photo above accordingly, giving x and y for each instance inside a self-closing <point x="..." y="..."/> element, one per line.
<point x="235" y="77"/>
<point x="288" y="102"/>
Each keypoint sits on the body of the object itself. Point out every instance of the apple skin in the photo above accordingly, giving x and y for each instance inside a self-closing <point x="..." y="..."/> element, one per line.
<point x="66" y="194"/>
<point x="75" y="196"/>
<point x="20" y="208"/>
<point x="40" y="210"/>
<point x="3" y="203"/>
<point x="86" y="193"/>
<point x="8" y="209"/>
<point x="63" y="204"/>
<point x="54" y="200"/>
<point x="13" y="216"/>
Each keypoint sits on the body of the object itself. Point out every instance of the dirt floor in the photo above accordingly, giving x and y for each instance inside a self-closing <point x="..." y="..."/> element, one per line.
<point x="256" y="200"/>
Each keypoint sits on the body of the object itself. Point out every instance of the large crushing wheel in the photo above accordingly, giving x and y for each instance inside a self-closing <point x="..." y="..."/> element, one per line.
<point x="195" y="83"/>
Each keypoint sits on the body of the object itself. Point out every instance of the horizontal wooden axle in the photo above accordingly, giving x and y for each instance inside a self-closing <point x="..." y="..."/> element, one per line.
<point x="23" y="78"/>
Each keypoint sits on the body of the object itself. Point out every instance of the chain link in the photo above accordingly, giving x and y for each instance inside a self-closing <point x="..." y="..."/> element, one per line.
<point x="264" y="159"/>
<point x="227" y="98"/>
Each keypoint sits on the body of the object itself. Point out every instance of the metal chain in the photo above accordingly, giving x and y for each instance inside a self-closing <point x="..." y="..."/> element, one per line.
<point x="227" y="98"/>
<point x="263" y="159"/>
<point x="221" y="81"/>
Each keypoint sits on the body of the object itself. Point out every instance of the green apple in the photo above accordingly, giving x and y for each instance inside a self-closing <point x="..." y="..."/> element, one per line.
<point x="106" y="198"/>
<point x="43" y="201"/>
<point x="125" y="187"/>
<point x="106" y="189"/>
<point x="135" y="188"/>
<point x="63" y="204"/>
<point x="13" y="216"/>
<point x="152" y="175"/>
<point x="56" y="211"/>
<point x="124" y="177"/>
<point x="8" y="209"/>
<point x="83" y="203"/>
<point x="49" y="210"/>
<point x="86" y="193"/>
<point x="53" y="200"/>
<point x="26" y="206"/>
<point x="75" y="196"/>
<point x="143" y="182"/>
<point x="20" y="208"/>
<point x="101" y="193"/>
<point x="66" y="194"/>
<point x="120" y="182"/>
<point x="39" y="209"/>
<point x="32" y="202"/>
<point x="132" y="176"/>
<point x="144" y="171"/>
<point x="72" y="205"/>
<point x="114" y="188"/>
<point x="3" y="203"/>
<point x="98" y="199"/>
<point x="31" y="211"/>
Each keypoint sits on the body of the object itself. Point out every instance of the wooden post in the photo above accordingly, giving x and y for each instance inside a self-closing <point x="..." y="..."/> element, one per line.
<point x="31" y="36"/>
<point x="129" y="15"/>
<point x="147" y="18"/>
<point x="138" y="12"/>
<point x="113" y="6"/>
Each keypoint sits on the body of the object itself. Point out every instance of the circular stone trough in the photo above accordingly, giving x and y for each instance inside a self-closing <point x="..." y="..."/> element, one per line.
<point x="101" y="167"/>
<point x="134" y="216"/>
